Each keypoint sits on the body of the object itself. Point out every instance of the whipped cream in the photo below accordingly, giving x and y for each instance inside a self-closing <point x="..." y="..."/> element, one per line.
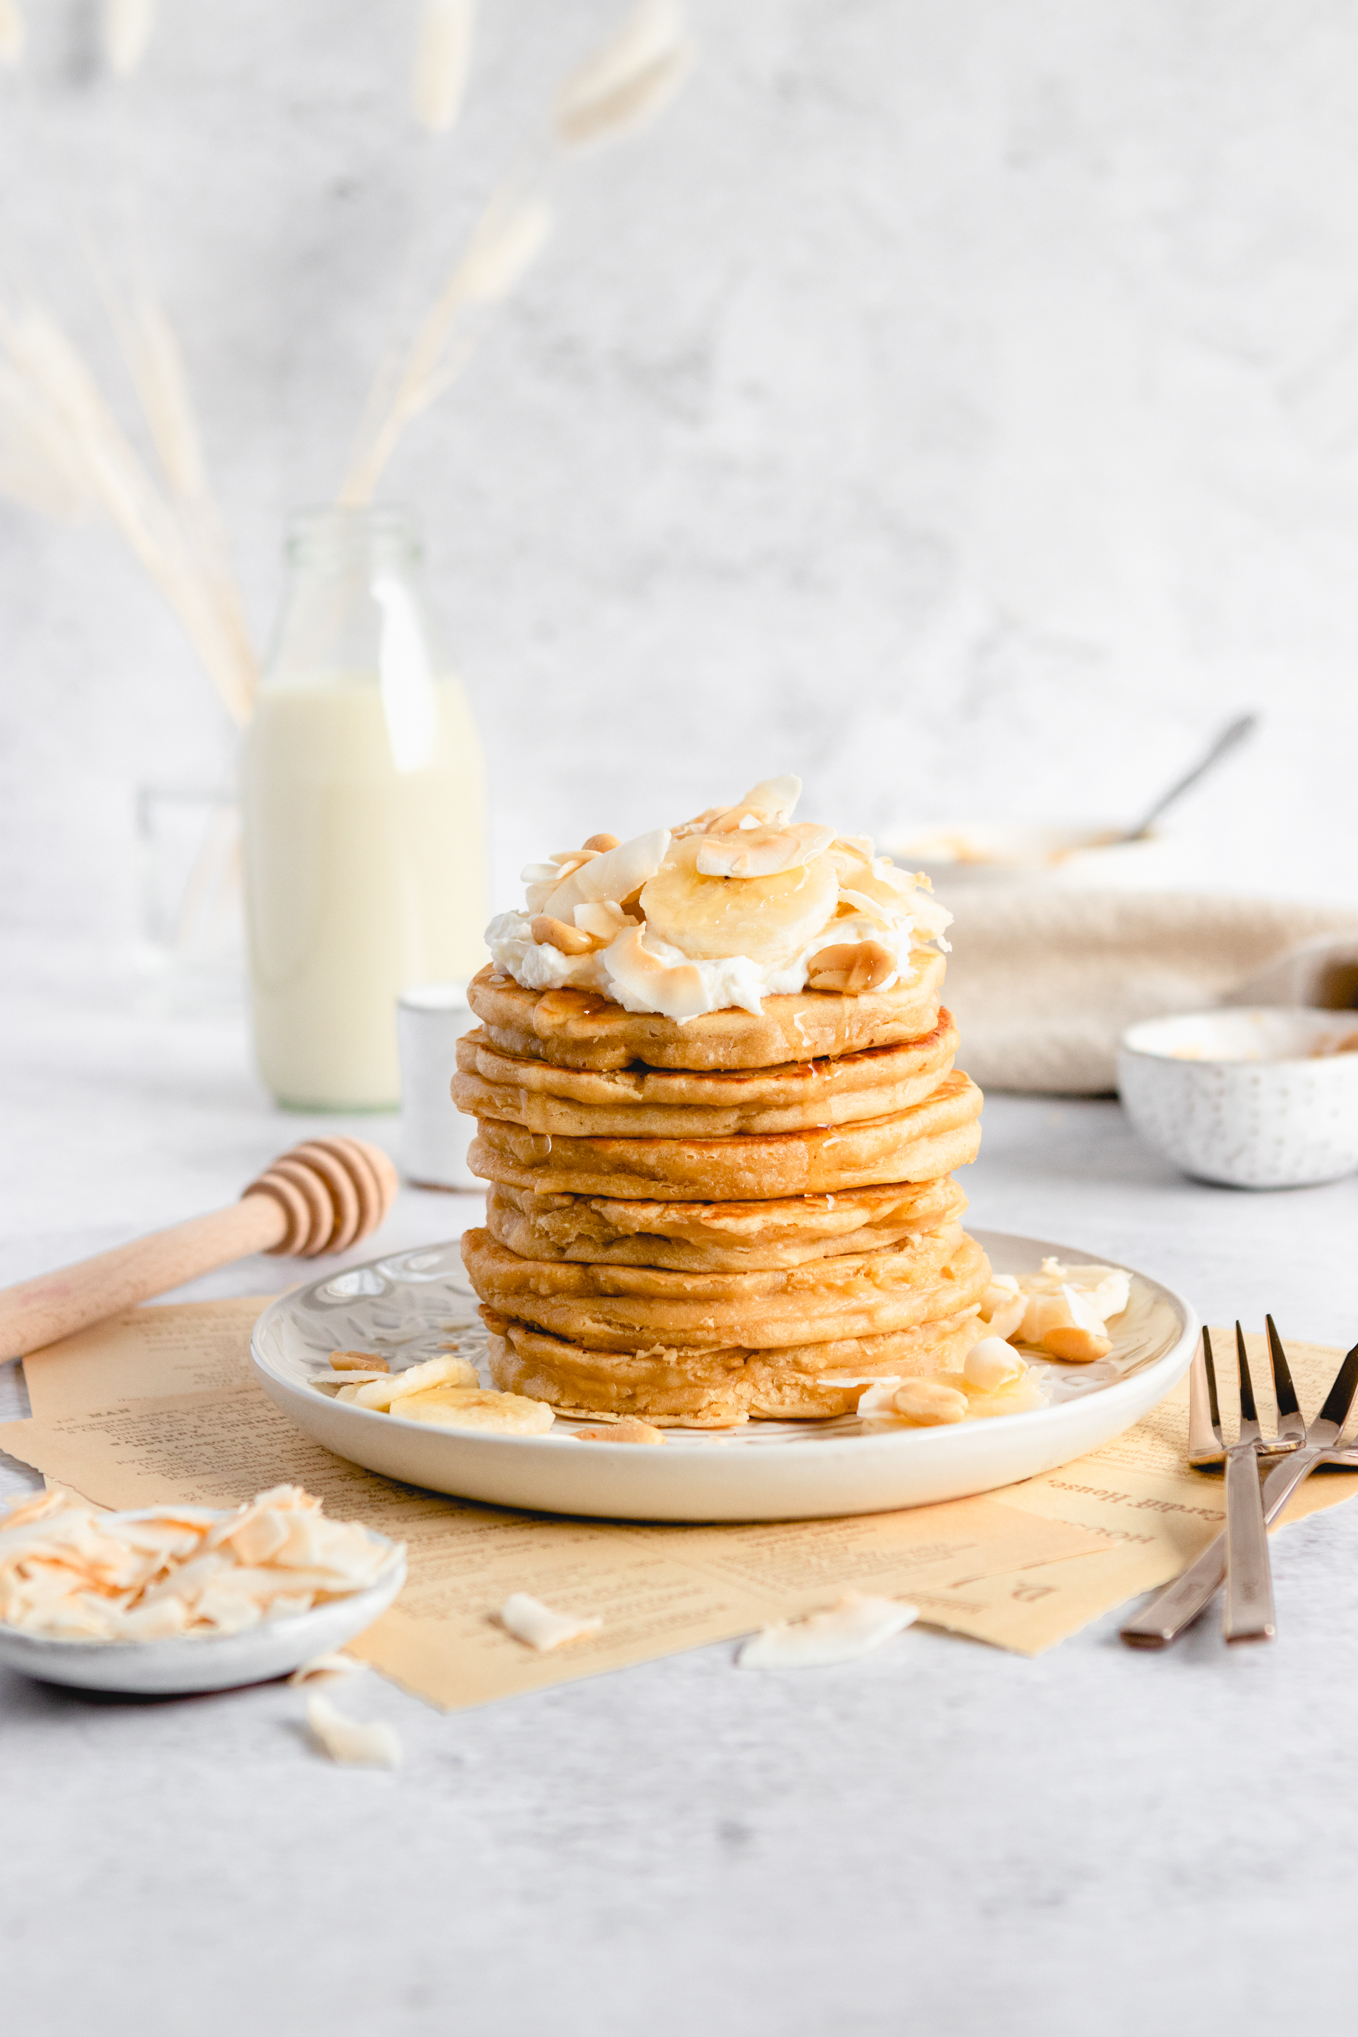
<point x="776" y="893"/>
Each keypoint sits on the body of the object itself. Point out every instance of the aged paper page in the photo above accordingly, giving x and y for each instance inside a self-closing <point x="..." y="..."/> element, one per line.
<point x="182" y="1347"/>
<point x="1154" y="1512"/>
<point x="658" y="1588"/>
<point x="1020" y="1569"/>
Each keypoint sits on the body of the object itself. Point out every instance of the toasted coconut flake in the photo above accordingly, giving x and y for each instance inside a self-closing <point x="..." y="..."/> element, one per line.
<point x="337" y="1663"/>
<point x="528" y="1620"/>
<point x="991" y="1364"/>
<point x="1065" y="1323"/>
<point x="358" y="1361"/>
<point x="611" y="877"/>
<point x="761" y="850"/>
<point x="856" y="1623"/>
<point x="879" y="1402"/>
<point x="356" y="1743"/>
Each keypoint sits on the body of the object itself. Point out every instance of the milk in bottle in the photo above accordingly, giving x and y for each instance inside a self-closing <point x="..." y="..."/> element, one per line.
<point x="364" y="815"/>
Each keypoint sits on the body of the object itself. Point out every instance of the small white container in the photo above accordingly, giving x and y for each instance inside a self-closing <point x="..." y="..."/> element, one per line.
<point x="435" y="1134"/>
<point x="1262" y="1097"/>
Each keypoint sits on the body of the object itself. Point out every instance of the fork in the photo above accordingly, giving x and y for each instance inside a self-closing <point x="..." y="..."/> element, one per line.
<point x="1206" y="1450"/>
<point x="1248" y="1614"/>
<point x="1179" y="1604"/>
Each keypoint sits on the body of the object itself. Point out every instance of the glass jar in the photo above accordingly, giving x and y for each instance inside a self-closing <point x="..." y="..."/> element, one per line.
<point x="364" y="815"/>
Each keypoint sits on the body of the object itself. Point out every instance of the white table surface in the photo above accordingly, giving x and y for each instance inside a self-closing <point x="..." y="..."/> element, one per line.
<point x="940" y="1838"/>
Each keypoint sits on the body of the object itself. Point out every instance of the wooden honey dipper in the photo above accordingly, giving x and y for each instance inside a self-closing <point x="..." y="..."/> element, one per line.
<point x="323" y="1196"/>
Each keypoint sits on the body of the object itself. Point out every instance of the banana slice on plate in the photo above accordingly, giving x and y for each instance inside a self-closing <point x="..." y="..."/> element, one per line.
<point x="770" y="919"/>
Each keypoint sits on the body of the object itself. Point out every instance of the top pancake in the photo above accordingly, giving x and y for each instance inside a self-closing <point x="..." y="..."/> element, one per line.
<point x="580" y="1029"/>
<point x="641" y="1102"/>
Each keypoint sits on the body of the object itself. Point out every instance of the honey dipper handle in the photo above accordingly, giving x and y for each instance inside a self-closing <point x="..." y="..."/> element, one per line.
<point x="54" y="1305"/>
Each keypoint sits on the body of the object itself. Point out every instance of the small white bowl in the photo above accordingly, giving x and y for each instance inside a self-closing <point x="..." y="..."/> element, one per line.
<point x="210" y="1661"/>
<point x="1253" y="1098"/>
<point x="1079" y="855"/>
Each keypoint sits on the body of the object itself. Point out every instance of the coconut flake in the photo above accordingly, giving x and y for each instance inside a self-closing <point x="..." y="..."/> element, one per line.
<point x="992" y="1364"/>
<point x="611" y="877"/>
<point x="336" y="1663"/>
<point x="757" y="850"/>
<point x="879" y="1400"/>
<point x="357" y="1743"/>
<point x="528" y="1620"/>
<point x="856" y="1623"/>
<point x="675" y="989"/>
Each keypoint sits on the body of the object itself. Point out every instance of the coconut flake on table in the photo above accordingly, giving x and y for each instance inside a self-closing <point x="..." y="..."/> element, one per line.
<point x="853" y="1626"/>
<point x="355" y="1743"/>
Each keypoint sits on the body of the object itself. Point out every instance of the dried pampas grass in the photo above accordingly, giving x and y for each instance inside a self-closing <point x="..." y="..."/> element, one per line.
<point x="622" y="85"/>
<point x="160" y="378"/>
<point x="37" y="465"/>
<point x="629" y="79"/>
<point x="62" y="448"/>
<point x="507" y="237"/>
<point x="157" y="369"/>
<point x="127" y="31"/>
<point x="442" y="57"/>
<point x="506" y="241"/>
<point x="11" y="34"/>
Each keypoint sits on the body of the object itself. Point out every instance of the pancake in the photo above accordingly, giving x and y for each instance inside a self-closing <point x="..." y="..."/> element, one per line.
<point x="919" y="1144"/>
<point x="581" y="1029"/>
<point x="640" y="1102"/>
<point x="733" y="1237"/>
<point x="616" y="1307"/>
<point x="676" y="1387"/>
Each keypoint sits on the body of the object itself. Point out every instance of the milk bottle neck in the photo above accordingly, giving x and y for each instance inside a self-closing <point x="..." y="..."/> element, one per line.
<point x="353" y="610"/>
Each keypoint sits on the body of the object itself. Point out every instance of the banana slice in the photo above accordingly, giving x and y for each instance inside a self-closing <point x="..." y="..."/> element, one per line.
<point x="454" y="1407"/>
<point x="770" y="919"/>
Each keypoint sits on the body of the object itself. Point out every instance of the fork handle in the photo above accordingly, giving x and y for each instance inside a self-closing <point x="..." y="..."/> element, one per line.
<point x="1192" y="1591"/>
<point x="1249" y="1577"/>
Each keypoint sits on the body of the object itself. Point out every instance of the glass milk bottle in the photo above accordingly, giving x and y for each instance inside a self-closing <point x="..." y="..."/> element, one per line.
<point x="364" y="813"/>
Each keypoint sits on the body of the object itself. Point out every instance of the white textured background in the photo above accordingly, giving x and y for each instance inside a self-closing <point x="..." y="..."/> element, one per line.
<point x="955" y="402"/>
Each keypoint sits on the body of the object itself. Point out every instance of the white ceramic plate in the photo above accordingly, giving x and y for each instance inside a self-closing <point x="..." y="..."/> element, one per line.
<point x="414" y="1304"/>
<point x="213" y="1661"/>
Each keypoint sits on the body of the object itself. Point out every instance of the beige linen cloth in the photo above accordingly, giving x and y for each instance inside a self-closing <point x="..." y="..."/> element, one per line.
<point x="1042" y="981"/>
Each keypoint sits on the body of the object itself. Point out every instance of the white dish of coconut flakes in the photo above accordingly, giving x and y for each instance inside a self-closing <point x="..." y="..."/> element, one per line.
<point x="222" y="1645"/>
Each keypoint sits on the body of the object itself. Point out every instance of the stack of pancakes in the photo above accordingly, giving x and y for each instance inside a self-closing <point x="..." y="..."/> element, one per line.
<point x="737" y="1215"/>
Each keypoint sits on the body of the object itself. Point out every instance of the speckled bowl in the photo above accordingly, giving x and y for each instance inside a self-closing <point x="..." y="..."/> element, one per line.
<point x="1253" y="1098"/>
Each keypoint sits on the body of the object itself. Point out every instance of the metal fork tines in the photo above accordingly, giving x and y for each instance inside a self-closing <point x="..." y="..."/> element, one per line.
<point x="1206" y="1449"/>
<point x="1179" y="1604"/>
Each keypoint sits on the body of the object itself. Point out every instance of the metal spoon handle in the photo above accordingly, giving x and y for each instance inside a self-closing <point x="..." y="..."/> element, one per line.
<point x="1219" y="747"/>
